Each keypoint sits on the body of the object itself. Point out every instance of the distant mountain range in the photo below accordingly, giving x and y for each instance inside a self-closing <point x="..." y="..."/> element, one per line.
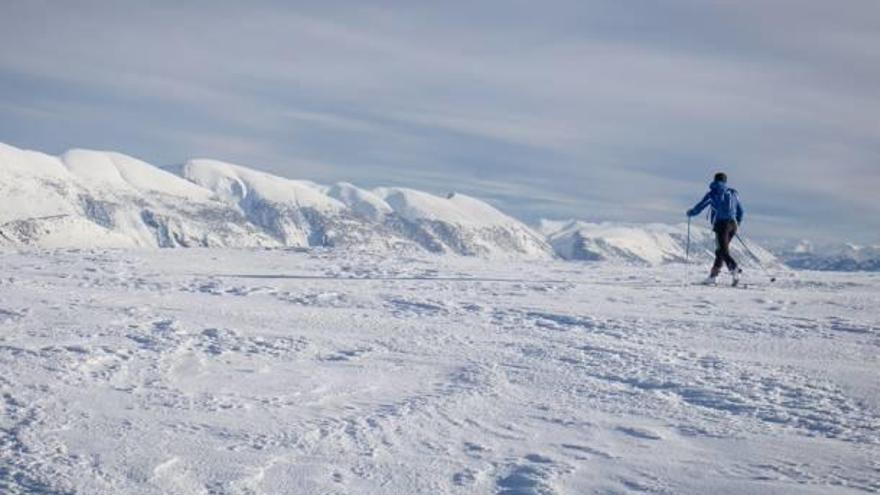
<point x="86" y="198"/>
<point x="646" y="244"/>
<point x="89" y="198"/>
<point x="842" y="257"/>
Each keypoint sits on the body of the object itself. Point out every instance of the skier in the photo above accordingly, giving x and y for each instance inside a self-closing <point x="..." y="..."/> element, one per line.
<point x="726" y="215"/>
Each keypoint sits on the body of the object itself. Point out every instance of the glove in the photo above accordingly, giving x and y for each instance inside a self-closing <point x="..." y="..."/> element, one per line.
<point x="690" y="213"/>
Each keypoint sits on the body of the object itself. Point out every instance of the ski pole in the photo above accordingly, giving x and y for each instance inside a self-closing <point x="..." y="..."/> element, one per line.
<point x="687" y="252"/>
<point x="687" y="255"/>
<point x="757" y="260"/>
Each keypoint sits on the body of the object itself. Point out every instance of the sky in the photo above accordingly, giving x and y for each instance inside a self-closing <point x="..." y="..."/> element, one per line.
<point x="590" y="109"/>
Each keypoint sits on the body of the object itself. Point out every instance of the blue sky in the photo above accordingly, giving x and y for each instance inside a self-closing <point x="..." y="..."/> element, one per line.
<point x="600" y="110"/>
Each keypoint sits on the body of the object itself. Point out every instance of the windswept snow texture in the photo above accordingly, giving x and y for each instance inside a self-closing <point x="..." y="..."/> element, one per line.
<point x="337" y="372"/>
<point x="104" y="199"/>
<point x="643" y="244"/>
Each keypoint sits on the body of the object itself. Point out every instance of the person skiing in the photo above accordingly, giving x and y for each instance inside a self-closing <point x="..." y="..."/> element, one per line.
<point x="726" y="215"/>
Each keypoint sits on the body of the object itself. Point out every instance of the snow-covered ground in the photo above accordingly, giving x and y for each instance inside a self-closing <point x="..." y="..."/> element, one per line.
<point x="298" y="372"/>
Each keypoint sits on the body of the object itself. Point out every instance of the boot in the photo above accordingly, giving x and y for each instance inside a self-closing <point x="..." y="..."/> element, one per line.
<point x="736" y="273"/>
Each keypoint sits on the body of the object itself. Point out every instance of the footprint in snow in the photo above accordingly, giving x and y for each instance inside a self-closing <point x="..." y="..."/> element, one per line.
<point x="406" y="307"/>
<point x="466" y="477"/>
<point x="346" y="354"/>
<point x="555" y="321"/>
<point x="246" y="291"/>
<point x="842" y="325"/>
<point x="475" y="450"/>
<point x="210" y="287"/>
<point x="168" y="325"/>
<point x="162" y="336"/>
<point x="317" y="299"/>
<point x="10" y="315"/>
<point x="583" y="449"/>
<point x="218" y="341"/>
<point x="532" y="476"/>
<point x="640" y="433"/>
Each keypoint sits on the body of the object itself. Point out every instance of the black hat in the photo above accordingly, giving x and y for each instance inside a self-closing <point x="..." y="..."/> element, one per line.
<point x="720" y="177"/>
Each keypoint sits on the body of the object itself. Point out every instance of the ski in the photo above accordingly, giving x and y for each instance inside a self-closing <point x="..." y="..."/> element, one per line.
<point x="741" y="285"/>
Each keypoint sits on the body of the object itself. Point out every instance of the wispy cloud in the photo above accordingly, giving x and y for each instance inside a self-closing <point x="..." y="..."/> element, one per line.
<point x="598" y="109"/>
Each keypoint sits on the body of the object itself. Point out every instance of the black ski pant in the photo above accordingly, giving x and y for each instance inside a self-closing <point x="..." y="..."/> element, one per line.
<point x="725" y="230"/>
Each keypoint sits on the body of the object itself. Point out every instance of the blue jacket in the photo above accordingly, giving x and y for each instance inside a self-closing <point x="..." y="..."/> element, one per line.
<point x="724" y="201"/>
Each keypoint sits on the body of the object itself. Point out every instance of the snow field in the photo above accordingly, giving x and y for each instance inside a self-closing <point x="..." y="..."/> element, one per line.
<point x="287" y="371"/>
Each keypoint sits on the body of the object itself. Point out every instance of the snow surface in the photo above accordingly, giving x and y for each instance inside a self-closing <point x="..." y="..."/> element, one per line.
<point x="229" y="371"/>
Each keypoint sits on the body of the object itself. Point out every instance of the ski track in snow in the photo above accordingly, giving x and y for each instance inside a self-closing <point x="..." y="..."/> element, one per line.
<point x="273" y="371"/>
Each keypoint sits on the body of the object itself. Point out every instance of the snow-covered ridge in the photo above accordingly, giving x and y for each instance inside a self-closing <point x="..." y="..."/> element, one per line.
<point x="646" y="244"/>
<point x="836" y="257"/>
<point x="457" y="208"/>
<point x="234" y="183"/>
<point x="88" y="198"/>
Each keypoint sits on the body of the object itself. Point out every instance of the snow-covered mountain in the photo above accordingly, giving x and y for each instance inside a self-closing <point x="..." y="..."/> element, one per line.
<point x="840" y="258"/>
<point x="646" y="244"/>
<point x="97" y="198"/>
<point x="90" y="198"/>
<point x="86" y="198"/>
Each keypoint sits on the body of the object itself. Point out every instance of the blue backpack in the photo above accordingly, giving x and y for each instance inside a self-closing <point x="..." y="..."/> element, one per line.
<point x="724" y="205"/>
<point x="724" y="201"/>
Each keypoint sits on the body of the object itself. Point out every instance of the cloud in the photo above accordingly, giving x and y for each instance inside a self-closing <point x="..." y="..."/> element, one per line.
<point x="598" y="109"/>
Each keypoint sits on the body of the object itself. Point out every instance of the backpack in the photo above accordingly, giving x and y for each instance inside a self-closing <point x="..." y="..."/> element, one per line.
<point x="724" y="205"/>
